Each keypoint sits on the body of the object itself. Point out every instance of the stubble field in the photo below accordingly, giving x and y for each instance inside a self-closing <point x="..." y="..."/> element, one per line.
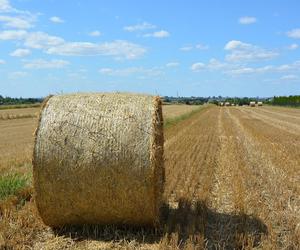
<point x="232" y="182"/>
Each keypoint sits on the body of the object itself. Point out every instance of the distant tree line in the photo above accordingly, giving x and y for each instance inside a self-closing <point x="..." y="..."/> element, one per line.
<point x="186" y="100"/>
<point x="212" y="99"/>
<point x="17" y="101"/>
<point x="243" y="100"/>
<point x="292" y="100"/>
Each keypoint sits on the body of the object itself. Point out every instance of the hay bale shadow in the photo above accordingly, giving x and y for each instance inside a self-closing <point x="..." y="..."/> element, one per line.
<point x="188" y="220"/>
<point x="193" y="219"/>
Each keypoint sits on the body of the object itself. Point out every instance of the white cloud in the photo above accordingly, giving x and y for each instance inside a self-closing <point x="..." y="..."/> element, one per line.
<point x="13" y="35"/>
<point x="139" y="27"/>
<point x="5" y="6"/>
<point x="95" y="33"/>
<point x="41" y="40"/>
<point x="186" y="48"/>
<point x="237" y="69"/>
<point x="234" y="44"/>
<point x="202" y="46"/>
<point x="35" y="40"/>
<point x="17" y="74"/>
<point x="215" y="64"/>
<point x="106" y="71"/>
<point x="158" y="34"/>
<point x="45" y="64"/>
<point x="295" y="33"/>
<point x="250" y="56"/>
<point x="289" y="77"/>
<point x="56" y="19"/>
<point x="17" y="22"/>
<point x="293" y="46"/>
<point x="241" y="51"/>
<point x="131" y="71"/>
<point x="20" y="52"/>
<point x="2" y="61"/>
<point x="293" y="67"/>
<point x="247" y="20"/>
<point x="198" y="67"/>
<point x="212" y="65"/>
<point x="172" y="64"/>
<point x="118" y="49"/>
<point x="197" y="46"/>
<point x="250" y="70"/>
<point x="241" y="71"/>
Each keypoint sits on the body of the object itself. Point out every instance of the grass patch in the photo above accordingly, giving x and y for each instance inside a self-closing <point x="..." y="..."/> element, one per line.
<point x="172" y="121"/>
<point x="12" y="184"/>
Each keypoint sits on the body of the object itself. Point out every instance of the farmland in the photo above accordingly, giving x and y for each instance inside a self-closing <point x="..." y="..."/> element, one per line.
<point x="232" y="182"/>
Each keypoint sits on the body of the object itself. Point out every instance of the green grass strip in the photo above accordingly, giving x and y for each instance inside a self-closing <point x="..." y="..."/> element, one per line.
<point x="174" y="120"/>
<point x="11" y="184"/>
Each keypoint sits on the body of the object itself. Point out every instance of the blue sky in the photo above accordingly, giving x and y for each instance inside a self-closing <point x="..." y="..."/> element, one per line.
<point x="193" y="48"/>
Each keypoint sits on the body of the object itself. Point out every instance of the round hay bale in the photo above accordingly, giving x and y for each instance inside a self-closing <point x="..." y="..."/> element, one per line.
<point x="98" y="159"/>
<point x="252" y="104"/>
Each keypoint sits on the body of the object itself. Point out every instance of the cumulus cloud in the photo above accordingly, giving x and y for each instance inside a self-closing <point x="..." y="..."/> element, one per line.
<point x="2" y="61"/>
<point x="17" y="22"/>
<point x="17" y="74"/>
<point x="197" y="46"/>
<point x="139" y="27"/>
<point x="289" y="77"/>
<point x="118" y="49"/>
<point x="234" y="44"/>
<point x="202" y="46"/>
<point x="198" y="66"/>
<point x="131" y="71"/>
<point x="45" y="64"/>
<point x="95" y="33"/>
<point x="56" y="19"/>
<point x="295" y="33"/>
<point x="212" y="65"/>
<point x="172" y="64"/>
<point x="5" y="6"/>
<point x="240" y="70"/>
<point x="41" y="40"/>
<point x="293" y="46"/>
<point x="13" y="34"/>
<point x="14" y="18"/>
<point x="247" y="20"/>
<point x="35" y="40"/>
<point x="240" y="51"/>
<point x="250" y="70"/>
<point x="158" y="34"/>
<point x="186" y="48"/>
<point x="20" y="52"/>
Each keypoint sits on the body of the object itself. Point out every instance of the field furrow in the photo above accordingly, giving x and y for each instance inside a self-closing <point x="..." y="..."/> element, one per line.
<point x="279" y="123"/>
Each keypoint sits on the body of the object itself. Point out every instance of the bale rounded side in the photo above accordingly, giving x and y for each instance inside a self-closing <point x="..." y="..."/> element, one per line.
<point x="98" y="159"/>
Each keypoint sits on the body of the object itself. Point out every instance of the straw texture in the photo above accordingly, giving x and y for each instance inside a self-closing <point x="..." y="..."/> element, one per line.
<point x="98" y="159"/>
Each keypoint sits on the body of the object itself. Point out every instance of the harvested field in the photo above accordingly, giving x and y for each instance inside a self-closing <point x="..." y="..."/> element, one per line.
<point x="6" y="114"/>
<point x="16" y="144"/>
<point x="232" y="182"/>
